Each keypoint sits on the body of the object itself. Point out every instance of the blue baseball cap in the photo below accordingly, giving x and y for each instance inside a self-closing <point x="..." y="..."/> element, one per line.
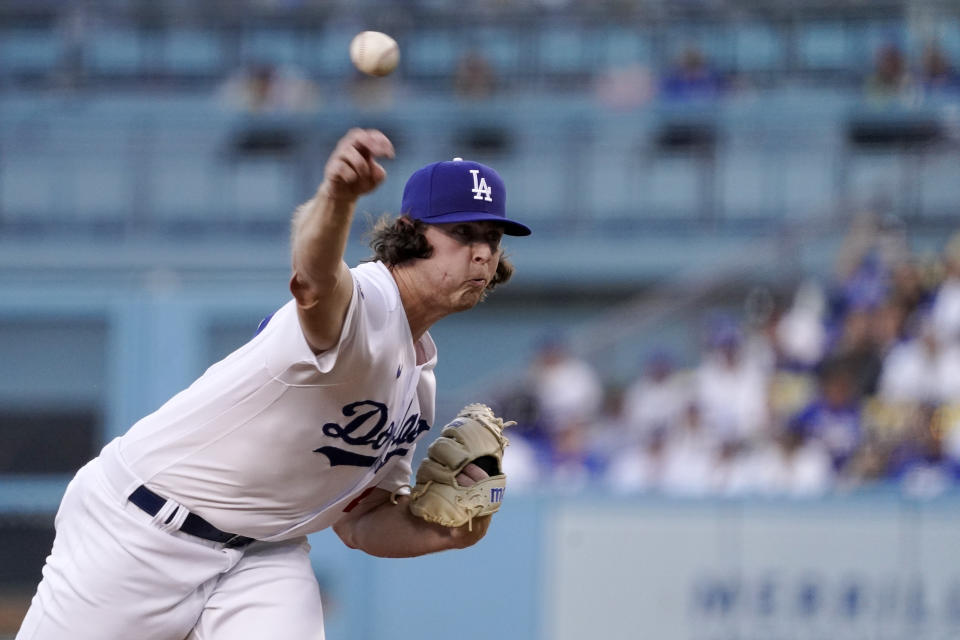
<point x="458" y="191"/>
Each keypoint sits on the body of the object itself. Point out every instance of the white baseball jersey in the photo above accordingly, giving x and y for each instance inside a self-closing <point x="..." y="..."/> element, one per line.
<point x="274" y="441"/>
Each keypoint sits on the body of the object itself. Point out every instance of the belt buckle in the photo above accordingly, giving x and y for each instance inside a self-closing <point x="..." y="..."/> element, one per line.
<point x="237" y="541"/>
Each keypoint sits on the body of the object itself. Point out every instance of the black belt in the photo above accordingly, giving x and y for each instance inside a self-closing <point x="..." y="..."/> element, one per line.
<point x="193" y="524"/>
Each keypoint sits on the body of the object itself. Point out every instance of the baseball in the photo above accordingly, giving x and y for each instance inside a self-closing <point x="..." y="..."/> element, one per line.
<point x="374" y="53"/>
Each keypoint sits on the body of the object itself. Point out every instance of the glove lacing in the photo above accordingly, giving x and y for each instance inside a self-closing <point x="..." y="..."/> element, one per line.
<point x="469" y="508"/>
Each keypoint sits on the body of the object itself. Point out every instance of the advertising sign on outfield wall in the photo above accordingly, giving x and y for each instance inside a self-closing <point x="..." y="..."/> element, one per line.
<point x="835" y="570"/>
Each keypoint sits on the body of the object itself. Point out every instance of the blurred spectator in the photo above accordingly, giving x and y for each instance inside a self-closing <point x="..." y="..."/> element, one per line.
<point x="871" y="248"/>
<point x="655" y="400"/>
<point x="791" y="464"/>
<point x="732" y="475"/>
<point x="691" y="78"/>
<point x="639" y="467"/>
<point x="261" y="92"/>
<point x="627" y="87"/>
<point x="609" y="431"/>
<point x="571" y="462"/>
<point x="730" y="389"/>
<point x="264" y="88"/>
<point x="869" y="463"/>
<point x="800" y="332"/>
<point x="834" y="416"/>
<point x="520" y="403"/>
<point x="856" y="346"/>
<point x="760" y="346"/>
<point x="948" y="422"/>
<point x="75" y="28"/>
<point x="922" y="369"/>
<point x="890" y="79"/>
<point x="522" y="463"/>
<point x="865" y="286"/>
<point x="474" y="77"/>
<point x="920" y="463"/>
<point x="690" y="456"/>
<point x="567" y="389"/>
<point x="909" y="292"/>
<point x="872" y="273"/>
<point x="936" y="73"/>
<point x="888" y="326"/>
<point x="790" y="392"/>
<point x="945" y="311"/>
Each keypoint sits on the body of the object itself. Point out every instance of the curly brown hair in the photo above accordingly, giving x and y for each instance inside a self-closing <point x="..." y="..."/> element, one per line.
<point x="395" y="240"/>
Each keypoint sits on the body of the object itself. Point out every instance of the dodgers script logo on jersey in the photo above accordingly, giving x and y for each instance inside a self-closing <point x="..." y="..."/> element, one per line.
<point x="481" y="190"/>
<point x="366" y="429"/>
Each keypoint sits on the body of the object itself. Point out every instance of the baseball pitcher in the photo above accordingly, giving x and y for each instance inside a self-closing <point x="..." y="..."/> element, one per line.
<point x="193" y="524"/>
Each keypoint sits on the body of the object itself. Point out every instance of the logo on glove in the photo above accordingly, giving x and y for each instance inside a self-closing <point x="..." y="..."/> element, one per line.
<point x="496" y="494"/>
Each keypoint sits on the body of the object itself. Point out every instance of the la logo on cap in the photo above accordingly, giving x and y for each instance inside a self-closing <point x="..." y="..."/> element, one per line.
<point x="481" y="191"/>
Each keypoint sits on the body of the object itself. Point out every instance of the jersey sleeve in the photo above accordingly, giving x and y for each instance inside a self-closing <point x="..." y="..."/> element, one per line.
<point x="326" y="360"/>
<point x="288" y="344"/>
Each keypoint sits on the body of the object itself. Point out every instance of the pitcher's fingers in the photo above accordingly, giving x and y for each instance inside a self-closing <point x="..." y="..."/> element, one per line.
<point x="352" y="156"/>
<point x="377" y="172"/>
<point x="341" y="172"/>
<point x="374" y="143"/>
<point x="471" y="475"/>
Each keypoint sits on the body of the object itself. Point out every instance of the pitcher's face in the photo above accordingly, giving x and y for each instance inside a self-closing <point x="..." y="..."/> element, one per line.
<point x="464" y="261"/>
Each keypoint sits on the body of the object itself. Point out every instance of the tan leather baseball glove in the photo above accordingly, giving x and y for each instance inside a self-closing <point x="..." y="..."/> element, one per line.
<point x="475" y="435"/>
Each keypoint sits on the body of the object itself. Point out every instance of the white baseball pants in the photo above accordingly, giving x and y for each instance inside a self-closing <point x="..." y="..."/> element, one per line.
<point x="115" y="572"/>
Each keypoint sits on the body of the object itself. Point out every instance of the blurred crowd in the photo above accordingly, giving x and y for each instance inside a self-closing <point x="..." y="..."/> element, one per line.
<point x="894" y="79"/>
<point x="891" y="78"/>
<point x="846" y="384"/>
